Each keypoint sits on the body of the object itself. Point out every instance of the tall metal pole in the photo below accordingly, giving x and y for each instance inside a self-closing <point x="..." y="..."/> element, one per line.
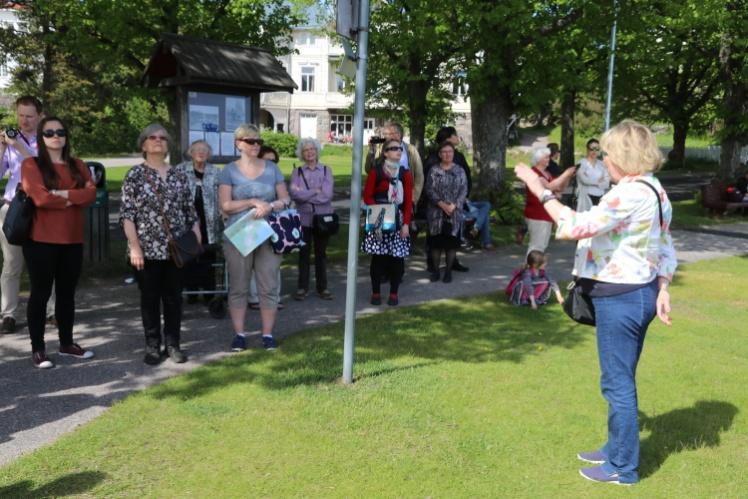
<point x="358" y="148"/>
<point x="611" y="65"/>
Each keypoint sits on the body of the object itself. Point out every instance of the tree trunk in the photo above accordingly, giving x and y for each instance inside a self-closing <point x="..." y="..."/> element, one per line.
<point x="734" y="107"/>
<point x="678" y="155"/>
<point x="418" y="91"/>
<point x="48" y="64"/>
<point x="490" y="115"/>
<point x="568" y="108"/>
<point x="174" y="126"/>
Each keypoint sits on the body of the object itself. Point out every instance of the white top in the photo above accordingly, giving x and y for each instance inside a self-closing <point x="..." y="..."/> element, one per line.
<point x="620" y="239"/>
<point x="592" y="178"/>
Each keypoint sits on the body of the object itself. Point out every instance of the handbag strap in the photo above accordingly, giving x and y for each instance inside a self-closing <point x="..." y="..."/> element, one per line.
<point x="303" y="177"/>
<point x="657" y="197"/>
<point x="166" y="225"/>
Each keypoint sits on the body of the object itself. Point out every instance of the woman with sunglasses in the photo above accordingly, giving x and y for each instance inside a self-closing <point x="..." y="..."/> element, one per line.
<point x="153" y="192"/>
<point x="246" y="184"/>
<point x="592" y="178"/>
<point x="60" y="187"/>
<point x="388" y="182"/>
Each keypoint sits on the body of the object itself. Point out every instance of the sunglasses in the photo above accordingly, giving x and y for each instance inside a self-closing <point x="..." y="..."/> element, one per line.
<point x="593" y="148"/>
<point x="154" y="138"/>
<point x="393" y="148"/>
<point x="60" y="132"/>
<point x="252" y="142"/>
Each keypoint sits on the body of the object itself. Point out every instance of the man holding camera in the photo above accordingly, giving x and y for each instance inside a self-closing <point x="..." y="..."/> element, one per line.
<point x="16" y="144"/>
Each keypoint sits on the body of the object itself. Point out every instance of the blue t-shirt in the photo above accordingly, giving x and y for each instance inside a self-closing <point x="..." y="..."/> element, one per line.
<point x="262" y="187"/>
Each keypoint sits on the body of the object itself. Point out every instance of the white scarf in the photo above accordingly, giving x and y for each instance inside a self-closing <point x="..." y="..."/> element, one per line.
<point x="395" y="191"/>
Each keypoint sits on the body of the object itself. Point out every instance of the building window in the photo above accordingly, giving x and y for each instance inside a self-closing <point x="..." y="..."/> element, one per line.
<point x="307" y="39"/>
<point x="307" y="78"/>
<point x="336" y="82"/>
<point x="341" y="127"/>
<point x="3" y="70"/>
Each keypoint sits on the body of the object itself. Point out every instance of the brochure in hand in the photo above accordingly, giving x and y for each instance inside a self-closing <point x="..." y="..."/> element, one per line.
<point x="248" y="232"/>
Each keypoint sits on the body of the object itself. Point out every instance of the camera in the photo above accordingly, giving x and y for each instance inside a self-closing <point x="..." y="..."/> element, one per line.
<point x="377" y="140"/>
<point x="11" y="133"/>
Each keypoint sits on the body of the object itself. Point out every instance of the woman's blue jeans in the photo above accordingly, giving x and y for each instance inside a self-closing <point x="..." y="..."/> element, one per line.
<point x="479" y="210"/>
<point x="622" y="322"/>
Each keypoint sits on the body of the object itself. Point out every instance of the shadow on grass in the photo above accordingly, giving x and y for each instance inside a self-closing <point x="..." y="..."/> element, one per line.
<point x="67" y="485"/>
<point x="470" y="331"/>
<point x="683" y="429"/>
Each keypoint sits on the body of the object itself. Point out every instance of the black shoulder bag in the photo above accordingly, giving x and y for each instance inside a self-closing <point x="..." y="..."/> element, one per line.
<point x="184" y="248"/>
<point x="19" y="218"/>
<point x="327" y="224"/>
<point x="578" y="304"/>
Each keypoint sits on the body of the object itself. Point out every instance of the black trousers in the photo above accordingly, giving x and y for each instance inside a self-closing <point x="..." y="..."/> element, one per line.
<point x="160" y="284"/>
<point x="49" y="263"/>
<point x="320" y="259"/>
<point x="389" y="265"/>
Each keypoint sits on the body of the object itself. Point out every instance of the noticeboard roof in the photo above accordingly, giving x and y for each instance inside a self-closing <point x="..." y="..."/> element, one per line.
<point x="184" y="60"/>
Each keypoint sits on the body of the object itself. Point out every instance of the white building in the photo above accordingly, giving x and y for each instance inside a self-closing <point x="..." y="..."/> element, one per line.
<point x="320" y="108"/>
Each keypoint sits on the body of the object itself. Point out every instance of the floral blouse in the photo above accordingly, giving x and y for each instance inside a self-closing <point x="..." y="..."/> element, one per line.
<point x="620" y="239"/>
<point x="142" y="206"/>
<point x="449" y="186"/>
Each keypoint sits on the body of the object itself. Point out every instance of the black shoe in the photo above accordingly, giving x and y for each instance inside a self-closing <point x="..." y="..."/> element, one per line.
<point x="447" y="277"/>
<point x="457" y="266"/>
<point x="434" y="276"/>
<point x="8" y="326"/>
<point x="176" y="355"/>
<point x="152" y="356"/>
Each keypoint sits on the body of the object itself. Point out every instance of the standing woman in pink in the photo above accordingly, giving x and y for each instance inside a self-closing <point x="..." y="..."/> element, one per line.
<point x="60" y="187"/>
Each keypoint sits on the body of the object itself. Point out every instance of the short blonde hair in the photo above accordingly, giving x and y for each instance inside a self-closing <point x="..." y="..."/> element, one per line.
<point x="632" y="148"/>
<point x="246" y="129"/>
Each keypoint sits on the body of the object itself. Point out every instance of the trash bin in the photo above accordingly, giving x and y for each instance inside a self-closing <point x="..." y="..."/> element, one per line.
<point x="96" y="218"/>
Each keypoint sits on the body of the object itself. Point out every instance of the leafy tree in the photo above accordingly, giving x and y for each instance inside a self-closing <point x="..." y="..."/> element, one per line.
<point x="411" y="52"/>
<point x="667" y="64"/>
<point x="96" y="50"/>
<point x="733" y="68"/>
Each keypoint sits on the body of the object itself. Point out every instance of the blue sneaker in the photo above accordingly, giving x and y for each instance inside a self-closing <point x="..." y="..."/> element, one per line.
<point x="593" y="457"/>
<point x="268" y="343"/>
<point x="239" y="343"/>
<point x="598" y="474"/>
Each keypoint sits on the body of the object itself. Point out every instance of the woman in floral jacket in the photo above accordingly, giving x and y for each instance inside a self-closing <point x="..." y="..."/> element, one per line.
<point x="625" y="262"/>
<point x="150" y="189"/>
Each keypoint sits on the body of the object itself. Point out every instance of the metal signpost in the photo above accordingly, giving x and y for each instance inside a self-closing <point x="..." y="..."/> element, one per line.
<point x="353" y="18"/>
<point x="611" y="66"/>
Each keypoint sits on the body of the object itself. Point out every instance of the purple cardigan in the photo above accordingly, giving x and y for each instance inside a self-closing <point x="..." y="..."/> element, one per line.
<point x="313" y="196"/>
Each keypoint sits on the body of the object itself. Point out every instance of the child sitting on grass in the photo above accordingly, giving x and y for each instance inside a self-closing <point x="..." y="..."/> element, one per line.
<point x="532" y="285"/>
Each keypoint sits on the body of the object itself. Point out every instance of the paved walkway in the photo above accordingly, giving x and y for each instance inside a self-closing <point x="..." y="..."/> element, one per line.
<point x="38" y="406"/>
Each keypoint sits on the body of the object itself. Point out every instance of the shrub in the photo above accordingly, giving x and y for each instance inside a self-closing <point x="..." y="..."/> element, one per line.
<point x="284" y="143"/>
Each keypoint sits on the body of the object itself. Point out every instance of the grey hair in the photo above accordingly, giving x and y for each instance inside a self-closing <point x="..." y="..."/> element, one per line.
<point x="538" y="153"/>
<point x="397" y="126"/>
<point x="150" y="130"/>
<point x="200" y="142"/>
<point x="305" y="141"/>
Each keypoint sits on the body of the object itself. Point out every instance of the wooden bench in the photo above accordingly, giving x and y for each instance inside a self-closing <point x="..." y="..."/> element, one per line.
<point x="714" y="199"/>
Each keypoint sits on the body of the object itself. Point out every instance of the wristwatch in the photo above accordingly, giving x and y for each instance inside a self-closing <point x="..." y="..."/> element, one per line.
<point x="546" y="196"/>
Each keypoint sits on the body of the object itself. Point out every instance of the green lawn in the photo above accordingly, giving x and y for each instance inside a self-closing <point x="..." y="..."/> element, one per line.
<point x="461" y="398"/>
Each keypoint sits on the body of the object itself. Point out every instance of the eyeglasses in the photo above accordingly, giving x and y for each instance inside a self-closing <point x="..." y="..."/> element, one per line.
<point x="60" y="132"/>
<point x="393" y="148"/>
<point x="252" y="142"/>
<point x="154" y="138"/>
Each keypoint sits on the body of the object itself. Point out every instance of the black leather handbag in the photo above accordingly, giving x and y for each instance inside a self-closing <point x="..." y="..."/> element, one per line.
<point x="19" y="218"/>
<point x="578" y="305"/>
<point x="184" y="248"/>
